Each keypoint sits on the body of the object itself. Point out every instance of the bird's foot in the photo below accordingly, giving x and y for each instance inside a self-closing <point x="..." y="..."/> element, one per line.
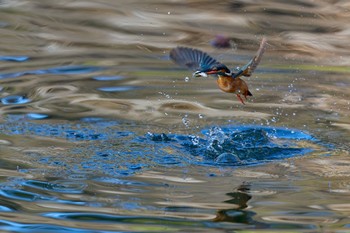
<point x="240" y="98"/>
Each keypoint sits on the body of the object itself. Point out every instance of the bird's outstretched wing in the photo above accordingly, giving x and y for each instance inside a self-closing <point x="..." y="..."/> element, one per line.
<point x="192" y="59"/>
<point x="249" y="68"/>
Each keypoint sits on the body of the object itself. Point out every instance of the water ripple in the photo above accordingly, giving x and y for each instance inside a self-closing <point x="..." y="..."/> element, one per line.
<point x="109" y="218"/>
<point x="23" y="195"/>
<point x="61" y="186"/>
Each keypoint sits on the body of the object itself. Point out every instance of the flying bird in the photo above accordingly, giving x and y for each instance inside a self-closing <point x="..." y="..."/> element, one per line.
<point x="203" y="65"/>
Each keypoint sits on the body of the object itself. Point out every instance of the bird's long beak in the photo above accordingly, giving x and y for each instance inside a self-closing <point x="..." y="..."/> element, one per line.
<point x="212" y="72"/>
<point x="204" y="73"/>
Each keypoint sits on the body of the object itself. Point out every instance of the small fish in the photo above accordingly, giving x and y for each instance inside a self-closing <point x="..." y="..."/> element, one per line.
<point x="203" y="65"/>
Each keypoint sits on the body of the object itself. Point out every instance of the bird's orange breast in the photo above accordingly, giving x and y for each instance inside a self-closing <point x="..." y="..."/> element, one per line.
<point x="226" y="84"/>
<point x="233" y="85"/>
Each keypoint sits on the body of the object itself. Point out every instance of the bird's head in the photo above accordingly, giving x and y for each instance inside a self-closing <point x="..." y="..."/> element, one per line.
<point x="218" y="69"/>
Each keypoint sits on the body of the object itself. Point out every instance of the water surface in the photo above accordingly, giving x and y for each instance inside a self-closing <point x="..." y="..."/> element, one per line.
<point x="101" y="132"/>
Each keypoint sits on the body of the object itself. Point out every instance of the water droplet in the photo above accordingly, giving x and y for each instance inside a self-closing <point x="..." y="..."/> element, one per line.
<point x="215" y="137"/>
<point x="185" y="121"/>
<point x="194" y="140"/>
<point x="273" y="119"/>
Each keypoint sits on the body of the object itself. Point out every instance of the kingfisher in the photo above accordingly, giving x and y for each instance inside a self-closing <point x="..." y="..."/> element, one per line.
<point x="228" y="81"/>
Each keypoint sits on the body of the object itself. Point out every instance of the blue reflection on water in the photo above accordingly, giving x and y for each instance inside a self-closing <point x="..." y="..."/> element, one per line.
<point x="109" y="78"/>
<point x="237" y="145"/>
<point x="14" y="58"/>
<point x="64" y="70"/>
<point x="117" y="88"/>
<point x="277" y="132"/>
<point x="37" y="116"/>
<point x="5" y="209"/>
<point x="79" y="132"/>
<point x="14" y="99"/>
<point x="117" y="152"/>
